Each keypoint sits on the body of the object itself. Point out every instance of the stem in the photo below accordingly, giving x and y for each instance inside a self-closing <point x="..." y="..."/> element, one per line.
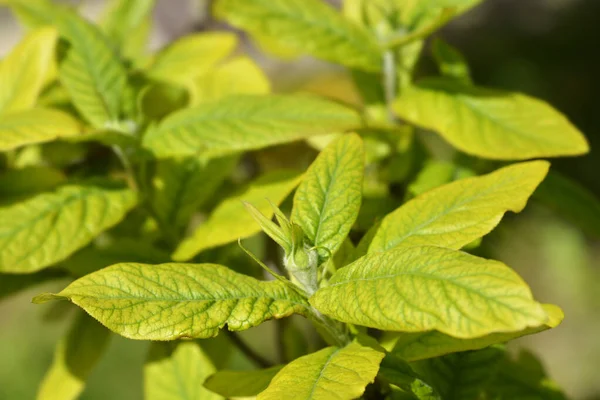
<point x="259" y="360"/>
<point x="131" y="178"/>
<point x="389" y="82"/>
<point x="338" y="336"/>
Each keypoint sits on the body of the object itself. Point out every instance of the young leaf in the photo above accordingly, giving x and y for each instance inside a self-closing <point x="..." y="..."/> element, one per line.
<point x="241" y="383"/>
<point x="419" y="346"/>
<point x="304" y="26"/>
<point x="49" y="227"/>
<point x="35" y="126"/>
<point x="91" y="71"/>
<point x="74" y="358"/>
<point x="461" y="376"/>
<point x="230" y="220"/>
<point x="191" y="56"/>
<point x="244" y="122"/>
<point x="327" y="201"/>
<point x="183" y="185"/>
<point x="172" y="301"/>
<point x="25" y="70"/>
<point x="340" y="373"/>
<point x="490" y="123"/>
<point x="455" y="214"/>
<point x="450" y="62"/>
<point x="418" y="289"/>
<point x="239" y="76"/>
<point x="174" y="371"/>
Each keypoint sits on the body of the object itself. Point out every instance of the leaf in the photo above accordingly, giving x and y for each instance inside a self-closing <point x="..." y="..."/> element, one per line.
<point x="437" y="173"/>
<point x="238" y="76"/>
<point x="18" y="184"/>
<point x="35" y="126"/>
<point x="331" y="373"/>
<point x="25" y="70"/>
<point x="461" y="376"/>
<point x="125" y="20"/>
<point x="183" y="185"/>
<point x="327" y="201"/>
<point x="418" y="289"/>
<point x="572" y="201"/>
<point x="189" y="57"/>
<point x="397" y="372"/>
<point x="490" y="123"/>
<point x="230" y="221"/>
<point x="74" y="358"/>
<point x="523" y="378"/>
<point x="49" y="227"/>
<point x="174" y="371"/>
<point x="304" y="26"/>
<point x="241" y="383"/>
<point x="91" y="71"/>
<point x="455" y="214"/>
<point x="244" y="122"/>
<point x="450" y="62"/>
<point x="172" y="301"/>
<point x="418" y="346"/>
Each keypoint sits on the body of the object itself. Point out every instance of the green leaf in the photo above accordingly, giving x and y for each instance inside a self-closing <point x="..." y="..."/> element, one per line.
<point x="523" y="378"/>
<point x="455" y="214"/>
<point x="304" y="26"/>
<point x="25" y="70"/>
<point x="174" y="371"/>
<point x="241" y="383"/>
<point x="191" y="56"/>
<point x="340" y="373"/>
<point x="244" y="122"/>
<point x="419" y="346"/>
<point x="238" y="76"/>
<point x="450" y="62"/>
<point x="18" y="184"/>
<point x="490" y="123"/>
<point x="461" y="376"/>
<point x="572" y="201"/>
<point x="327" y="201"/>
<point x="74" y="358"/>
<point x="49" y="227"/>
<point x="91" y="72"/>
<point x="436" y="173"/>
<point x="183" y="185"/>
<point x="418" y="289"/>
<point x="172" y="301"/>
<point x="35" y="126"/>
<point x="397" y="372"/>
<point x="127" y="24"/>
<point x="230" y="221"/>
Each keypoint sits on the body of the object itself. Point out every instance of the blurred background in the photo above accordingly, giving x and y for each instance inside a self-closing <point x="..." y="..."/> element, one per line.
<point x="544" y="48"/>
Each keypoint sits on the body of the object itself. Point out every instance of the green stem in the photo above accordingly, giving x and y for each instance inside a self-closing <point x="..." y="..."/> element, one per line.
<point x="131" y="177"/>
<point x="389" y="82"/>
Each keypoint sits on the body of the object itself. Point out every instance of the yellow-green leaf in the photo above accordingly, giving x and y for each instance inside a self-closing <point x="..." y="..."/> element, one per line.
<point x="419" y="346"/>
<point x="230" y="220"/>
<point x="241" y="383"/>
<point x="327" y="201"/>
<point x="304" y="26"/>
<point x="490" y="123"/>
<point x="127" y="23"/>
<point x="244" y="122"/>
<point x="49" y="227"/>
<point x="418" y="289"/>
<point x="175" y="371"/>
<point x="457" y="213"/>
<point x="25" y="70"/>
<point x="35" y="126"/>
<point x="191" y="56"/>
<point x="331" y="373"/>
<point x="238" y="76"/>
<point x="74" y="358"/>
<point x="172" y="301"/>
<point x="91" y="72"/>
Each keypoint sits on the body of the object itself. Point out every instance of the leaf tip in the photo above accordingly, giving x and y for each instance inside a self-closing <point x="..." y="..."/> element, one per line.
<point x="46" y="297"/>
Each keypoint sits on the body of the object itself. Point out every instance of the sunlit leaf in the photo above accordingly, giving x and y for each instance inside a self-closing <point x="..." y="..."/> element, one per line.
<point x="244" y="122"/>
<point x="331" y="373"/>
<point x="230" y="220"/>
<point x="304" y="26"/>
<point x="418" y="289"/>
<point x="49" y="227"/>
<point x="490" y="123"/>
<point x="241" y="383"/>
<point x="327" y="201"/>
<point x="171" y="301"/>
<point x="455" y="214"/>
